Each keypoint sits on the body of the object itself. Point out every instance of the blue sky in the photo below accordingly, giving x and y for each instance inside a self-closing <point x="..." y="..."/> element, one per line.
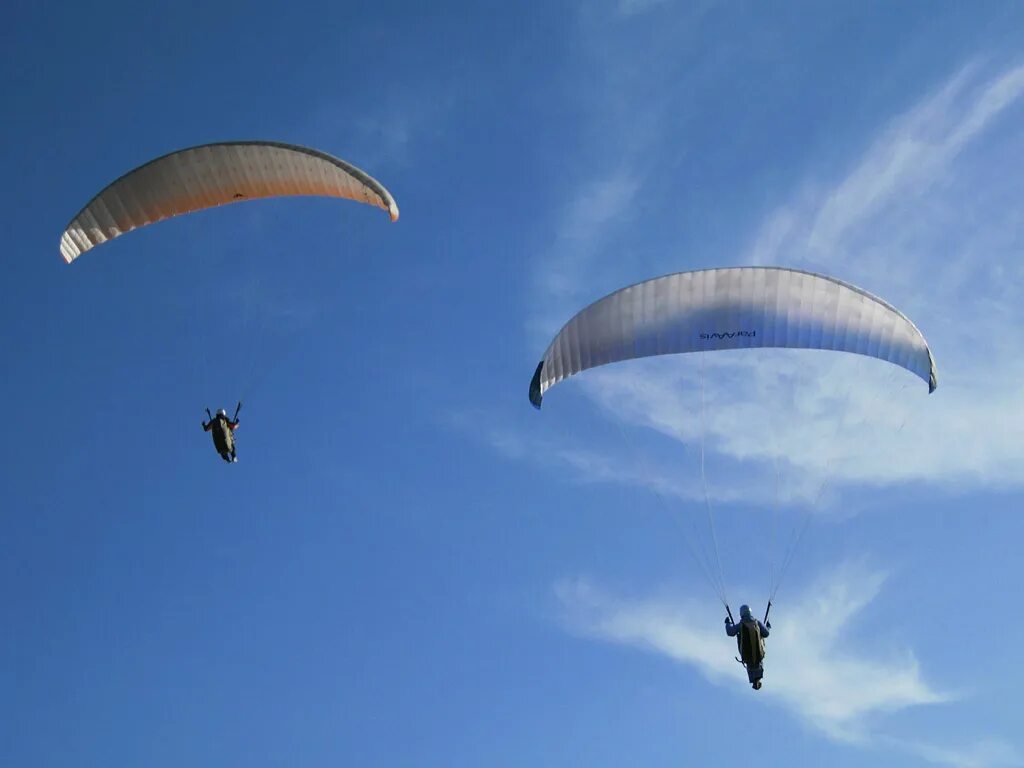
<point x="409" y="565"/>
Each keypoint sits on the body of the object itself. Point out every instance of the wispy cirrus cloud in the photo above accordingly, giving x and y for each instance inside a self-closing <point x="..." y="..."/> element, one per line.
<point x="586" y="465"/>
<point x="629" y="121"/>
<point x="939" y="238"/>
<point x="903" y="178"/>
<point x="601" y="205"/>
<point x="927" y="216"/>
<point x="819" y="677"/>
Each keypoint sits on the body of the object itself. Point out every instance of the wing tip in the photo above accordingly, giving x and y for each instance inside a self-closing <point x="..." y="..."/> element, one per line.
<point x="536" y="395"/>
<point x="68" y="252"/>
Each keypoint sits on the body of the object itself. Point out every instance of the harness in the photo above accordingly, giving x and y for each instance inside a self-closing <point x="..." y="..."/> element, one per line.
<point x="750" y="643"/>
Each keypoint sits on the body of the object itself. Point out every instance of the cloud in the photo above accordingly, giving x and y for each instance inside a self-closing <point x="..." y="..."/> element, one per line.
<point x="607" y="197"/>
<point x="911" y="158"/>
<point x="927" y="216"/>
<point x="633" y="458"/>
<point x="599" y="205"/>
<point x="939" y="240"/>
<point x="820" y="677"/>
<point x="813" y="675"/>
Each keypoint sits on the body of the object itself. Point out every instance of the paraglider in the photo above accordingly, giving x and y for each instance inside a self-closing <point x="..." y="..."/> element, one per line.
<point x="208" y="176"/>
<point x="212" y="175"/>
<point x="750" y="634"/>
<point x="223" y="430"/>
<point x="733" y="309"/>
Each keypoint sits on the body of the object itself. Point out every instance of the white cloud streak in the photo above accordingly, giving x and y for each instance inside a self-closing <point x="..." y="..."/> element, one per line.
<point x="912" y="221"/>
<point x="896" y="223"/>
<point x="601" y="204"/>
<point x="819" y="677"/>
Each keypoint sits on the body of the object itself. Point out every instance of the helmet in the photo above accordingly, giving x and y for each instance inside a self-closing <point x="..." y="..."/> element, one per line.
<point x="744" y="612"/>
<point x="222" y="412"/>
